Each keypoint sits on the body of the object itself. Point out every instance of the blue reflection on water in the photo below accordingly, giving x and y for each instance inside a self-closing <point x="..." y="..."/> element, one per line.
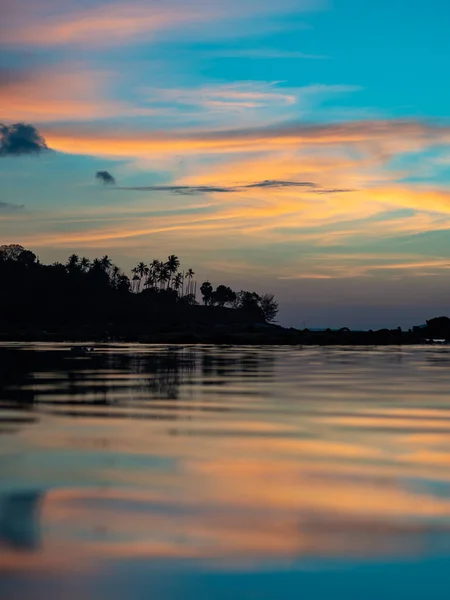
<point x="214" y="472"/>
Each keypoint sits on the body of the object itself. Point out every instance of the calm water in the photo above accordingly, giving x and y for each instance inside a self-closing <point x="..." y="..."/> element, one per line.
<point x="216" y="473"/>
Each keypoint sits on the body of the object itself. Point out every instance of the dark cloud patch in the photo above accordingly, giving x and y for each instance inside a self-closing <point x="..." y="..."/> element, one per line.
<point x="21" y="138"/>
<point x="190" y="190"/>
<point x="181" y="189"/>
<point x="8" y="207"/>
<point x="206" y="189"/>
<point x="203" y="189"/>
<point x="105" y="177"/>
<point x="332" y="191"/>
<point x="274" y="183"/>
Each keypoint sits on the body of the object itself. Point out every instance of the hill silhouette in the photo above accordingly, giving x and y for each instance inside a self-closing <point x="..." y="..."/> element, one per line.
<point x="93" y="300"/>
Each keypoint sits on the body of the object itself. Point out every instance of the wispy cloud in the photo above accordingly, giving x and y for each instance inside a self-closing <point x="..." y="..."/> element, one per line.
<point x="267" y="53"/>
<point x="245" y="94"/>
<point x="362" y="265"/>
<point x="76" y="92"/>
<point x="209" y="189"/>
<point x="110" y="24"/>
<point x="249" y="103"/>
<point x="67" y="92"/>
<point x="382" y="138"/>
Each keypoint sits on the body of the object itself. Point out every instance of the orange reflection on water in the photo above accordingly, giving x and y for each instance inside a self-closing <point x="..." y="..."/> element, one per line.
<point x="217" y="455"/>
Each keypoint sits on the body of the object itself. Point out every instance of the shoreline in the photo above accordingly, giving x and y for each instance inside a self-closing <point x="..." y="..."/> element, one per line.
<point x="275" y="336"/>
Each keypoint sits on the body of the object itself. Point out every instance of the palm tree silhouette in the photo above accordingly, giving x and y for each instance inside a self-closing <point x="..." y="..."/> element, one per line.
<point x="153" y="272"/>
<point x="115" y="274"/>
<point x="73" y="263"/>
<point x="178" y="281"/>
<point x="96" y="264"/>
<point x="189" y="275"/>
<point x="142" y="271"/>
<point x="106" y="263"/>
<point x="163" y="275"/>
<point x="85" y="263"/>
<point x="136" y="280"/>
<point x="172" y="265"/>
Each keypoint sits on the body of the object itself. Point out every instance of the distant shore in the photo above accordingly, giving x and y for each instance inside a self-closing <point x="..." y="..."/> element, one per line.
<point x="93" y="301"/>
<point x="258" y="334"/>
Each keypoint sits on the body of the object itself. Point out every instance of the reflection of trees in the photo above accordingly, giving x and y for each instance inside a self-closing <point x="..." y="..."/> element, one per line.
<point x="168" y="372"/>
<point x="15" y="373"/>
<point x="249" y="361"/>
<point x="19" y="520"/>
<point x="121" y="377"/>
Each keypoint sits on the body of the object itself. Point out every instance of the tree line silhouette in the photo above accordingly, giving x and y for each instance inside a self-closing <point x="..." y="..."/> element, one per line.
<point x="96" y="292"/>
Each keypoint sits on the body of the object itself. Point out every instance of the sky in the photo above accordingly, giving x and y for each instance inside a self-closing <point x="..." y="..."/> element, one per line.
<point x="300" y="147"/>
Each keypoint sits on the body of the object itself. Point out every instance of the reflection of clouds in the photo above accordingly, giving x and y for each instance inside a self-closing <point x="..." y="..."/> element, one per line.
<point x="19" y="520"/>
<point x="293" y="453"/>
<point x="259" y="511"/>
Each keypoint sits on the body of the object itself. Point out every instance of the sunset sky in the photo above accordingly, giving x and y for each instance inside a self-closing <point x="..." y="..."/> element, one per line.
<point x="312" y="138"/>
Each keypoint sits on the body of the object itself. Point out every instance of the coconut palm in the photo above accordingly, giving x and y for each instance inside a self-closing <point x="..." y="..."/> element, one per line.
<point x="96" y="265"/>
<point x="85" y="263"/>
<point x="178" y="282"/>
<point x="142" y="271"/>
<point x="115" y="273"/>
<point x="136" y="281"/>
<point x="155" y="264"/>
<point x="151" y="280"/>
<point x="172" y="265"/>
<point x="163" y="275"/>
<point x="73" y="262"/>
<point x="189" y="275"/>
<point x="106" y="263"/>
<point x="97" y="273"/>
<point x="154" y="272"/>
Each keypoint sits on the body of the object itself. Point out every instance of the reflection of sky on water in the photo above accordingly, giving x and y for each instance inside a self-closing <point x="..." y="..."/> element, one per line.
<point x="226" y="466"/>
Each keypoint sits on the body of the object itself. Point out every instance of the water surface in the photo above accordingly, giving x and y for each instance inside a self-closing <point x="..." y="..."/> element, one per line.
<point x="212" y="472"/>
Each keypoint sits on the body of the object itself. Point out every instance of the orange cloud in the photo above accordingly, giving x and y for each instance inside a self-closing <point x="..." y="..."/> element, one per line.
<point x="70" y="92"/>
<point x="343" y="156"/>
<point x="378" y="138"/>
<point x="272" y="215"/>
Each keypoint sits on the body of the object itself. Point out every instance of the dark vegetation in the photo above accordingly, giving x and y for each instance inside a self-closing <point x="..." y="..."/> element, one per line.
<point x="84" y="300"/>
<point x="95" y="300"/>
